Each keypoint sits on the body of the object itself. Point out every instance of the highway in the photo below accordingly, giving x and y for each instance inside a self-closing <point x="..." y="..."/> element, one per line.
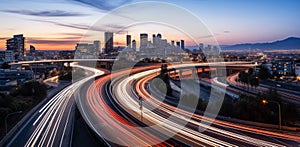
<point x="112" y="123"/>
<point x="240" y="139"/>
<point x="169" y="121"/>
<point x="281" y="138"/>
<point x="286" y="94"/>
<point x="51" y="125"/>
<point x="119" y="108"/>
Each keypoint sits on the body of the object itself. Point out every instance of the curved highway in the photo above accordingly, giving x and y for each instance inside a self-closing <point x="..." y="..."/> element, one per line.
<point x="117" y="108"/>
<point x="50" y="126"/>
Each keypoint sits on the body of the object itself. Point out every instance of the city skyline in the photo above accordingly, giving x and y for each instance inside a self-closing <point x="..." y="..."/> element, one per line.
<point x="63" y="23"/>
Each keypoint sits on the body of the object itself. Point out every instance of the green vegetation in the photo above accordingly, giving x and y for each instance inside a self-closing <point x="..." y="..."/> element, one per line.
<point x="5" y="65"/>
<point x="22" y="98"/>
<point x="66" y="77"/>
<point x="264" y="73"/>
<point x="164" y="76"/>
<point x="249" y="78"/>
<point x="251" y="108"/>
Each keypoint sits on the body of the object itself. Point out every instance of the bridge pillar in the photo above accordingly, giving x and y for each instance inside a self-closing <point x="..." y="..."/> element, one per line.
<point x="202" y="72"/>
<point x="193" y="74"/>
<point x="180" y="74"/>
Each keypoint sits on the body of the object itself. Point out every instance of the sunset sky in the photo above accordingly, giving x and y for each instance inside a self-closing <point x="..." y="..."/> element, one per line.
<point x="60" y="24"/>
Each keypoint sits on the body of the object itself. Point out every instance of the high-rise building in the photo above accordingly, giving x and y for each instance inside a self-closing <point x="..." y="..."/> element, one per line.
<point x="128" y="41"/>
<point x="182" y="44"/>
<point x="154" y="39"/>
<point x="97" y="45"/>
<point x="109" y="41"/>
<point x="178" y="43"/>
<point x="201" y="47"/>
<point x="143" y="40"/>
<point x="172" y="43"/>
<point x="87" y="51"/>
<point x="9" y="56"/>
<point x="32" y="49"/>
<point x="159" y="35"/>
<point x="17" y="45"/>
<point x="134" y="45"/>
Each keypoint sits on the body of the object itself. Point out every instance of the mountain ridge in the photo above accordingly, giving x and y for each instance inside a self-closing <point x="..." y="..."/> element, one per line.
<point x="288" y="43"/>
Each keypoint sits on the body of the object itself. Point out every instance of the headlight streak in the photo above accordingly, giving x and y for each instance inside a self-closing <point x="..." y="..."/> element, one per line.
<point x="50" y="118"/>
<point x="107" y="122"/>
<point x="230" y="125"/>
<point x="124" y="96"/>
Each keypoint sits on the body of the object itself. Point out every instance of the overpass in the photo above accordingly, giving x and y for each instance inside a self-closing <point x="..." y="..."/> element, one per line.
<point x="215" y="68"/>
<point x="104" y="63"/>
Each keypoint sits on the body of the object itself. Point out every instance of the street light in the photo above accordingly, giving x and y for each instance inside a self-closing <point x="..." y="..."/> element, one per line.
<point x="279" y="110"/>
<point x="141" y="107"/>
<point x="18" y="112"/>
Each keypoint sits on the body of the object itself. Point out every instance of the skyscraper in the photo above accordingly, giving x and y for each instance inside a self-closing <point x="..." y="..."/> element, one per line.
<point x="172" y="42"/>
<point x="201" y="47"/>
<point x="182" y="44"/>
<point x="128" y="41"/>
<point x="154" y="39"/>
<point x="97" y="45"/>
<point x="17" y="45"/>
<point x="32" y="49"/>
<point x="109" y="41"/>
<point x="143" y="40"/>
<point x="159" y="35"/>
<point x="134" y="45"/>
<point x="178" y="43"/>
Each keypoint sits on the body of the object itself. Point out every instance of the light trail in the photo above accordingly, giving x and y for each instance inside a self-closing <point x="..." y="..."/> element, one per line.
<point x="232" y="81"/>
<point x="109" y="122"/>
<point x="52" y="115"/>
<point x="128" y="102"/>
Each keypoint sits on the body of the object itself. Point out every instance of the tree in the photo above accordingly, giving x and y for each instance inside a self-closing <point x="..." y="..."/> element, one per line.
<point x="250" y="71"/>
<point x="264" y="73"/>
<point x="35" y="89"/>
<point x="253" y="81"/>
<point x="165" y="77"/>
<point x="5" y="65"/>
<point x="243" y="76"/>
<point x="290" y="113"/>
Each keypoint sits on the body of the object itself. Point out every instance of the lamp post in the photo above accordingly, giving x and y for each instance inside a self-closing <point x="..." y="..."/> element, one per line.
<point x="141" y="107"/>
<point x="18" y="112"/>
<point x="279" y="110"/>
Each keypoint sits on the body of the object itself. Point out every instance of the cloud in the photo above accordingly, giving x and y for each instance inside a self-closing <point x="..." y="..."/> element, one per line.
<point x="103" y="4"/>
<point x="4" y="38"/>
<point x="54" y="13"/>
<point x="54" y="41"/>
<point x="206" y="36"/>
<point x="112" y="27"/>
<point x="71" y="34"/>
<point x="226" y="32"/>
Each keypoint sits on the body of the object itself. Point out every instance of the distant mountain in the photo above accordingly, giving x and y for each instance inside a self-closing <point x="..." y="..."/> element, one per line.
<point x="289" y="43"/>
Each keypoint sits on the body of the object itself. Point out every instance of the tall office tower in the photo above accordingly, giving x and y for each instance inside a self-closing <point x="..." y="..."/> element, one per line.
<point x="172" y="43"/>
<point x="178" y="43"/>
<point x="201" y="47"/>
<point x="154" y="39"/>
<point x="159" y="35"/>
<point x="97" y="46"/>
<point x="32" y="49"/>
<point x="9" y="56"/>
<point x="109" y="41"/>
<point x="134" y="45"/>
<point x="143" y="40"/>
<point x="128" y="41"/>
<point x="182" y="44"/>
<point x="17" y="45"/>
